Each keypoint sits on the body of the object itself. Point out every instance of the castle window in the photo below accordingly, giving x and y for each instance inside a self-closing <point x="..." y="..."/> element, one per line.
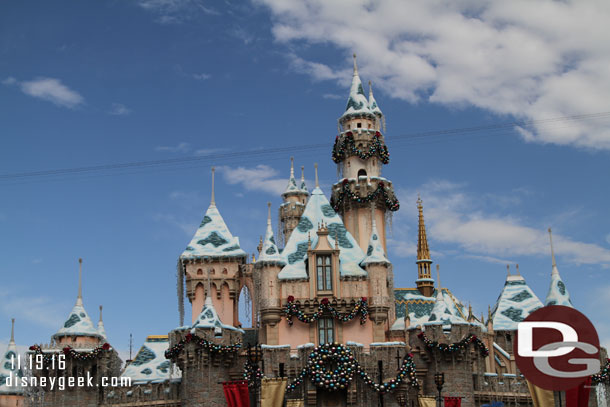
<point x="199" y="272"/>
<point x="324" y="273"/>
<point x="326" y="333"/>
<point x="361" y="173"/>
<point x="359" y="125"/>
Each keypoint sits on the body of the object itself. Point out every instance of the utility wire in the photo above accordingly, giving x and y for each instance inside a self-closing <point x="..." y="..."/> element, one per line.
<point x="241" y="156"/>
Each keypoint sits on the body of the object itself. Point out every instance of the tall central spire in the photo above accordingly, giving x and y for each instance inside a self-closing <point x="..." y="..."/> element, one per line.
<point x="425" y="282"/>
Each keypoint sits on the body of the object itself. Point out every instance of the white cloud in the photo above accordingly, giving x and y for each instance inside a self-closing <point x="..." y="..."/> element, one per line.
<point x="181" y="147"/>
<point x="202" y="76"/>
<point x="459" y="218"/>
<point x="119" y="109"/>
<point x="260" y="178"/>
<point x="531" y="59"/>
<point x="49" y="89"/>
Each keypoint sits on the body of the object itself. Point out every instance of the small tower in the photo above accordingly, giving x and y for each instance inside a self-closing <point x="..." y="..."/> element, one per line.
<point x="266" y="269"/>
<point x="360" y="152"/>
<point x="213" y="249"/>
<point x="10" y="395"/>
<point x="425" y="282"/>
<point x="295" y="198"/>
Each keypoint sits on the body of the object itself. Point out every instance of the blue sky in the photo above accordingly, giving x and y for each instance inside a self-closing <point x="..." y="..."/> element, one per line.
<point x="93" y="83"/>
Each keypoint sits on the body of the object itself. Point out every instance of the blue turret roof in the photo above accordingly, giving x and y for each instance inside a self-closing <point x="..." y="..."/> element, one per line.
<point x="208" y="318"/>
<point x="558" y="293"/>
<point x="78" y="323"/>
<point x="374" y="251"/>
<point x="445" y="311"/>
<point x="373" y="103"/>
<point x="515" y="303"/>
<point x="150" y="363"/>
<point x="213" y="239"/>
<point x="357" y="104"/>
<point x="317" y="211"/>
<point x="270" y="253"/>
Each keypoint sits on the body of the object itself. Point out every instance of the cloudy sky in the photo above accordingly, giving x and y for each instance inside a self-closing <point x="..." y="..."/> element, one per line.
<point x="497" y="114"/>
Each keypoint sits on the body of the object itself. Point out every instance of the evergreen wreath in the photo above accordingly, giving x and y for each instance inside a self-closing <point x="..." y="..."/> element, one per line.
<point x="48" y="357"/>
<point x="456" y="346"/>
<point x="292" y="309"/>
<point x="346" y="145"/>
<point x="346" y="194"/>
<point x="603" y="375"/>
<point x="210" y="347"/>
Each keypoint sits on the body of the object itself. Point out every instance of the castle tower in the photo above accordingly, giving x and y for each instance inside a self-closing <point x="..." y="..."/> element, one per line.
<point x="295" y="198"/>
<point x="266" y="269"/>
<point x="213" y="249"/>
<point x="425" y="282"/>
<point x="360" y="152"/>
<point x="558" y="293"/>
<point x="10" y="394"/>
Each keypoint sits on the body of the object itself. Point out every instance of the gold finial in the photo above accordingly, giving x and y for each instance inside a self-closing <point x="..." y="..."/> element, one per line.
<point x="552" y="250"/>
<point x="355" y="65"/>
<point x="315" y="166"/>
<point x="423" y="250"/>
<point x="254" y="258"/>
<point x="80" y="280"/>
<point x="213" y="200"/>
<point x="12" y="330"/>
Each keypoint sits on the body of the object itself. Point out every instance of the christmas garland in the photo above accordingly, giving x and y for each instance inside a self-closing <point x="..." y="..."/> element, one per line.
<point x="456" y="346"/>
<point x="603" y="375"/>
<point x="292" y="309"/>
<point x="345" y="367"/>
<point x="202" y="343"/>
<point x="48" y="357"/>
<point x="346" y="193"/>
<point x="347" y="146"/>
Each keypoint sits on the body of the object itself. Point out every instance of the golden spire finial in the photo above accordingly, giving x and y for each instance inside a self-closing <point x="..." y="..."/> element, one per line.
<point x="423" y="251"/>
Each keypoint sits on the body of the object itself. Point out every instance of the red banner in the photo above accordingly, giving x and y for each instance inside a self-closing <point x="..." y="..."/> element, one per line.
<point x="579" y="396"/>
<point x="236" y="393"/>
<point x="453" y="401"/>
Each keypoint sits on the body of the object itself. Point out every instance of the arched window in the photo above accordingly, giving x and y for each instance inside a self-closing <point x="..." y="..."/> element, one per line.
<point x="361" y="173"/>
<point x="199" y="272"/>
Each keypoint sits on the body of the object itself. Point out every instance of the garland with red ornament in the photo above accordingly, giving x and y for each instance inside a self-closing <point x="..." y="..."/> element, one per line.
<point x="292" y="310"/>
<point x="456" y="346"/>
<point x="333" y="366"/>
<point x="603" y="375"/>
<point x="346" y="193"/>
<point x="49" y="357"/>
<point x="210" y="347"/>
<point x="347" y="146"/>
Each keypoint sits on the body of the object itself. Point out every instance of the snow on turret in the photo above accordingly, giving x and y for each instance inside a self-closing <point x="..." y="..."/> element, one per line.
<point x="269" y="252"/>
<point x="444" y="312"/>
<point x="558" y="293"/>
<point x="78" y="323"/>
<point x="357" y="104"/>
<point x="515" y="303"/>
<point x="150" y="363"/>
<point x="373" y="103"/>
<point x="292" y="187"/>
<point x="374" y="251"/>
<point x="9" y="367"/>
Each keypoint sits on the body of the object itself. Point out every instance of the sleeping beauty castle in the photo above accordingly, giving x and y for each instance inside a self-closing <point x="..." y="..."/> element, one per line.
<point x="329" y="326"/>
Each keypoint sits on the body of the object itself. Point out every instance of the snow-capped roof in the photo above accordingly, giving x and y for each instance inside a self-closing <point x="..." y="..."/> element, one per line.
<point x="78" y="323"/>
<point x="374" y="251"/>
<point x="317" y="211"/>
<point x="8" y="367"/>
<point x="420" y="307"/>
<point x="213" y="239"/>
<point x="292" y="187"/>
<point x="303" y="185"/>
<point x="150" y="363"/>
<point x="558" y="293"/>
<point x="270" y="253"/>
<point x="444" y="311"/>
<point x="515" y="303"/>
<point x="373" y="103"/>
<point x="356" y="102"/>
<point x="208" y="318"/>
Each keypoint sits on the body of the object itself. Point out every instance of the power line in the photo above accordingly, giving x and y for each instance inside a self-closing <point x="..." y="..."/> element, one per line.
<point x="414" y="138"/>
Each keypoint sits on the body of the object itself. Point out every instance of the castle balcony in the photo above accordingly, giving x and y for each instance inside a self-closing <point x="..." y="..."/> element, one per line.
<point x="490" y="387"/>
<point x="359" y="193"/>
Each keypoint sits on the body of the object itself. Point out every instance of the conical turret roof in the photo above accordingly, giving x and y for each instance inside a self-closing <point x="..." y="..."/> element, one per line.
<point x="270" y="253"/>
<point x="208" y="318"/>
<point x="150" y="363"/>
<point x="9" y="367"/>
<point x="558" y="293"/>
<point x="515" y="303"/>
<point x="78" y="322"/>
<point x="373" y="103"/>
<point x="357" y="104"/>
<point x="302" y="185"/>
<point x="444" y="311"/>
<point x="374" y="251"/>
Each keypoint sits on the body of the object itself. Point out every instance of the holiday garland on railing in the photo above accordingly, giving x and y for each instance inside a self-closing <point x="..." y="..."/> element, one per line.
<point x="48" y="357"/>
<point x="603" y="375"/>
<point x="339" y="377"/>
<point x="346" y="145"/>
<point x="202" y="343"/>
<point x="456" y="346"/>
<point x="292" y="309"/>
<point x="346" y="193"/>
